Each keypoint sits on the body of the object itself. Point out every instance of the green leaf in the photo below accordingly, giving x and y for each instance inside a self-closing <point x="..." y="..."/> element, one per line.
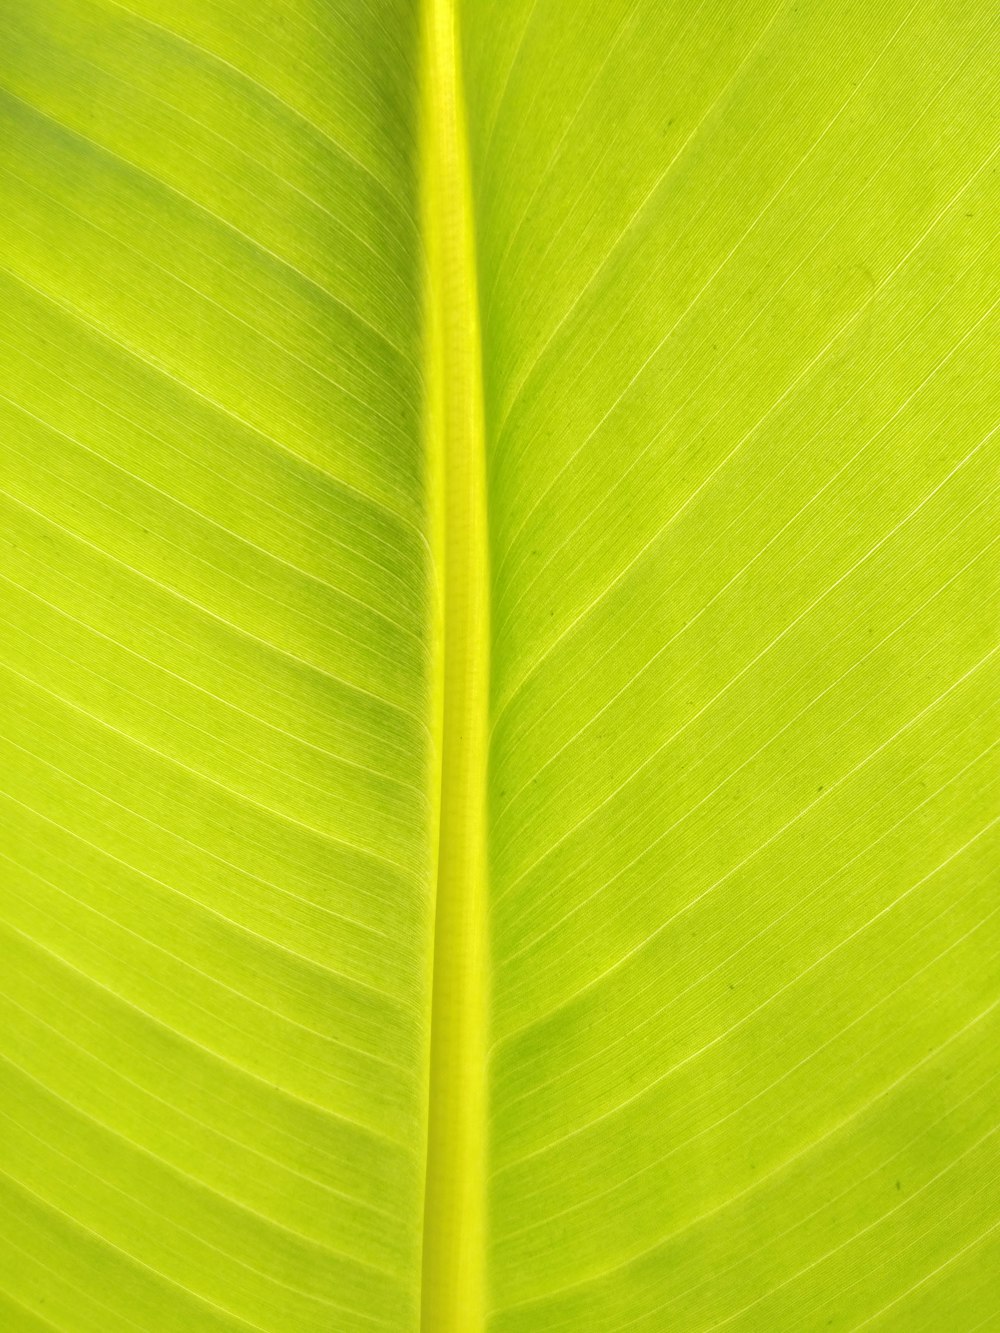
<point x="500" y="715"/>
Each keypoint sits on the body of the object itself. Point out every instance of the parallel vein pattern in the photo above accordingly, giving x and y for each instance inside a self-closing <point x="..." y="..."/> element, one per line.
<point x="743" y="431"/>
<point x="215" y="633"/>
<point x="500" y="659"/>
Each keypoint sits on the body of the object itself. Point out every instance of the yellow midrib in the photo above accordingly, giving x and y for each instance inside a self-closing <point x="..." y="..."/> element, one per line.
<point x="454" y="1261"/>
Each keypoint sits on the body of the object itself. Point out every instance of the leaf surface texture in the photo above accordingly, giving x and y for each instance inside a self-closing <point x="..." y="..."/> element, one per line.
<point x="500" y="719"/>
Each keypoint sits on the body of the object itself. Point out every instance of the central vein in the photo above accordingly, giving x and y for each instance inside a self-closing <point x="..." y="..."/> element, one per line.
<point x="455" y="1211"/>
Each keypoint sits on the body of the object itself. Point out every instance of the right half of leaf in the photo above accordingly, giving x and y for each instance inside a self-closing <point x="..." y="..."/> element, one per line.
<point x="740" y="327"/>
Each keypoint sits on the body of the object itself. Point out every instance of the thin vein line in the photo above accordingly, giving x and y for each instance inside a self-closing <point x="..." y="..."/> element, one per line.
<point x="692" y="396"/>
<point x="231" y="480"/>
<point x="341" y="149"/>
<point x="757" y="657"/>
<point x="772" y="839"/>
<point x="331" y="629"/>
<point x="794" y="981"/>
<point x="77" y="316"/>
<point x="201" y="689"/>
<point x="544" y="174"/>
<point x="185" y="962"/>
<point x="320" y="908"/>
<point x="26" y="1310"/>
<point x="243" y="1070"/>
<point x="506" y="83"/>
<point x="307" y="575"/>
<point x="109" y="1184"/>
<point x="806" y="372"/>
<point x="131" y="1259"/>
<point x="928" y="1276"/>
<point x="339" y="222"/>
<point x="796" y="906"/>
<point x="241" y="797"/>
<point x="804" y="1152"/>
<point x="60" y="1276"/>
<point x="210" y="1129"/>
<point x="216" y="218"/>
<point x="237" y="630"/>
<point x="757" y="555"/>
<point x="145" y="258"/>
<point x="863" y="1231"/>
<point x="75" y="1109"/>
<point x="743" y="812"/>
<point x="527" y="374"/>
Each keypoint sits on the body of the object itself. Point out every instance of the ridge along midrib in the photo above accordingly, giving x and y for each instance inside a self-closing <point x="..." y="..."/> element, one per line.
<point x="454" y="1241"/>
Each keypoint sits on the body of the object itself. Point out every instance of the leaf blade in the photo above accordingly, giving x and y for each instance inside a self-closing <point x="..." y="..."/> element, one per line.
<point x="741" y="437"/>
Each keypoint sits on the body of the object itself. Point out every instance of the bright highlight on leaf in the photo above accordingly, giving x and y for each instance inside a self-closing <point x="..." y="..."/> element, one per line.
<point x="500" y="651"/>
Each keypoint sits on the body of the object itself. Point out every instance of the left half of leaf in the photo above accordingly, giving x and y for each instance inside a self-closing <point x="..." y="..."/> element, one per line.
<point x="217" y="633"/>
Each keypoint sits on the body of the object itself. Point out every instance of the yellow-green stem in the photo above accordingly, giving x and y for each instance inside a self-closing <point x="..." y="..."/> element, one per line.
<point x="454" y="1273"/>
